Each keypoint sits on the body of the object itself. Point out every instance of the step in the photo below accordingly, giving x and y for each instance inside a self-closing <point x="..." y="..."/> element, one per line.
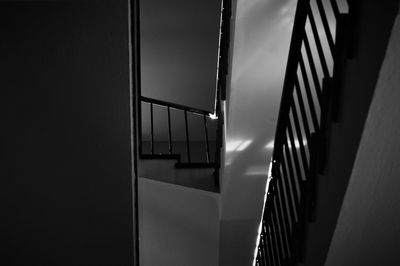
<point x="189" y="176"/>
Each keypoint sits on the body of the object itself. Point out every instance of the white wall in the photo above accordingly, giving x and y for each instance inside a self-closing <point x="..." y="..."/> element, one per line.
<point x="260" y="45"/>
<point x="368" y="228"/>
<point x="178" y="225"/>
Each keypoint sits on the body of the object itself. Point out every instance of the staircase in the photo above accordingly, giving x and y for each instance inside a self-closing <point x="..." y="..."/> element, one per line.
<point x="328" y="87"/>
<point x="179" y="144"/>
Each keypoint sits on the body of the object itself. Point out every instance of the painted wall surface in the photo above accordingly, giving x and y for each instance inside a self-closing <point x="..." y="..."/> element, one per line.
<point x="179" y="49"/>
<point x="369" y="42"/>
<point x="66" y="177"/>
<point x="260" y="46"/>
<point x="368" y="228"/>
<point x="178" y="225"/>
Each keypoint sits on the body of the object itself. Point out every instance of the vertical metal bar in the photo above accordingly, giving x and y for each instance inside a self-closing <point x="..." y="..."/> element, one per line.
<point x="303" y="111"/>
<point x="267" y="258"/>
<point x="300" y="138"/>
<point x="259" y="257"/>
<point x="318" y="42"/>
<point x="278" y="234"/>
<point x="273" y="244"/>
<point x="313" y="68"/>
<point x="207" y="143"/>
<point x="282" y="205"/>
<point x="269" y="243"/>
<point x="291" y="176"/>
<point x="294" y="153"/>
<point x="284" y="224"/>
<point x="169" y="131"/>
<point x="326" y="26"/>
<point x="274" y="234"/>
<point x="335" y="8"/>
<point x="309" y="95"/>
<point x="289" y="197"/>
<point x="187" y="138"/>
<point x="267" y="251"/>
<point x="139" y="106"/>
<point x="152" y="128"/>
<point x="263" y="258"/>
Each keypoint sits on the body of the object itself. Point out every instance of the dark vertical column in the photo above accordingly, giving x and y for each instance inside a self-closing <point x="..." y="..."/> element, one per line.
<point x="152" y="128"/>
<point x="169" y="131"/>
<point x="206" y="139"/>
<point x="187" y="137"/>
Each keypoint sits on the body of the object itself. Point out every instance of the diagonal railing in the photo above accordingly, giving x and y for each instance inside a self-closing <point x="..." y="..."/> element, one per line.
<point x="309" y="100"/>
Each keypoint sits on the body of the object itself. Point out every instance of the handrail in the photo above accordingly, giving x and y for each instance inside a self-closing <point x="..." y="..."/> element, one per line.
<point x="175" y="106"/>
<point x="305" y="104"/>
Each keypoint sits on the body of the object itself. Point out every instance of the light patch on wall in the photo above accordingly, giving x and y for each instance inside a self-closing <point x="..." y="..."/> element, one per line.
<point x="270" y="145"/>
<point x="237" y="145"/>
<point x="244" y="145"/>
<point x="232" y="145"/>
<point x="256" y="170"/>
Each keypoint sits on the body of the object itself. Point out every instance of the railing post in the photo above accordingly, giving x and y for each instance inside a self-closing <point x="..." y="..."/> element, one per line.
<point x="187" y="138"/>
<point x="169" y="131"/>
<point x="152" y="128"/>
<point x="206" y="136"/>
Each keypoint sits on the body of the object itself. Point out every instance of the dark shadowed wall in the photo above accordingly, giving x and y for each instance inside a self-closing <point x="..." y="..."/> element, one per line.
<point x="66" y="176"/>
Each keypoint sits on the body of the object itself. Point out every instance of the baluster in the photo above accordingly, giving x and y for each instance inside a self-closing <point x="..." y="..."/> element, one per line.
<point x="335" y="8"/>
<point x="152" y="128"/>
<point x="313" y="68"/>
<point x="187" y="138"/>
<point x="303" y="111"/>
<point x="291" y="174"/>
<point x="300" y="138"/>
<point x="318" y="42"/>
<point x="272" y="244"/>
<point x="309" y="95"/>
<point x="326" y="26"/>
<point x="277" y="228"/>
<point x="206" y="135"/>
<point x="282" y="217"/>
<point x="287" y="190"/>
<point x="294" y="153"/>
<point x="169" y="131"/>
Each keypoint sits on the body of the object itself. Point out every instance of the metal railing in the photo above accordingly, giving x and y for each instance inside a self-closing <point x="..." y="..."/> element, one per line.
<point x="185" y="110"/>
<point x="308" y="102"/>
<point x="212" y="159"/>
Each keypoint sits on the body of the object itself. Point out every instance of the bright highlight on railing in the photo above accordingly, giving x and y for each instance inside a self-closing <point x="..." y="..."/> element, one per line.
<point x="259" y="231"/>
<point x="213" y="116"/>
